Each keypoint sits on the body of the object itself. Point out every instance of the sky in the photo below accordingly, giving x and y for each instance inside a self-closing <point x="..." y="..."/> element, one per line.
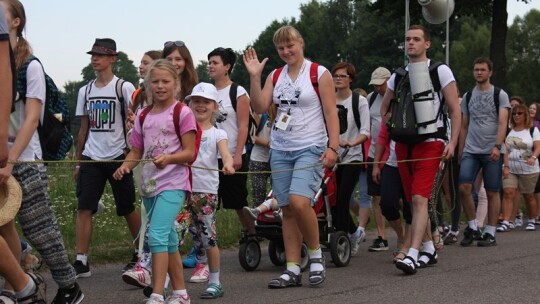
<point x="62" y="31"/>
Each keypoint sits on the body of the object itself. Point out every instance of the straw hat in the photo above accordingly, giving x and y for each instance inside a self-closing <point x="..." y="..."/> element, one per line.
<point x="10" y="200"/>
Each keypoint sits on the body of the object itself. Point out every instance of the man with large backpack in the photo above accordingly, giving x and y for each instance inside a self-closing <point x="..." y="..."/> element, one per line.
<point x="418" y="175"/>
<point x="483" y="130"/>
<point x="102" y="105"/>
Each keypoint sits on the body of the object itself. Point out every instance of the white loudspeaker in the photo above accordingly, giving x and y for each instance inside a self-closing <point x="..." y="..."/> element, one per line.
<point x="434" y="11"/>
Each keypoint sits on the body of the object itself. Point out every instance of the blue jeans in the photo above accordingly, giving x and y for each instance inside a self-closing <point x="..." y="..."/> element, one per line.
<point x="491" y="170"/>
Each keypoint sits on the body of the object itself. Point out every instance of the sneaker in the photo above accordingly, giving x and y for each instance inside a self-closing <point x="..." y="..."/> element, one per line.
<point x="154" y="300"/>
<point x="81" y="270"/>
<point x="191" y="260"/>
<point x="530" y="226"/>
<point x="39" y="296"/>
<point x="253" y="212"/>
<point x="519" y="220"/>
<point x="7" y="298"/>
<point x="71" y="295"/>
<point x="200" y="274"/>
<point x="174" y="299"/>
<point x="137" y="276"/>
<point x="451" y="238"/>
<point x="356" y="238"/>
<point x="379" y="245"/>
<point x="131" y="264"/>
<point x="487" y="240"/>
<point x="469" y="236"/>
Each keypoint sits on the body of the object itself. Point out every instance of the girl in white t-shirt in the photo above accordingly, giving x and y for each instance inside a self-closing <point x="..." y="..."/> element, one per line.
<point x="203" y="203"/>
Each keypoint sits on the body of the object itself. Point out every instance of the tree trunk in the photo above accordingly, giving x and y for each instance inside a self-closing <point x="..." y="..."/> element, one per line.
<point x="499" y="29"/>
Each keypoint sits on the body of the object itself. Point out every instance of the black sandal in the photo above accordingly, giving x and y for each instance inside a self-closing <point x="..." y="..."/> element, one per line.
<point x="432" y="259"/>
<point x="406" y="267"/>
<point x="317" y="277"/>
<point x="293" y="281"/>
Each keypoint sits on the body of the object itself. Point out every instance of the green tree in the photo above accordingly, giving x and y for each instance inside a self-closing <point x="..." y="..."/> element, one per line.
<point x="202" y="71"/>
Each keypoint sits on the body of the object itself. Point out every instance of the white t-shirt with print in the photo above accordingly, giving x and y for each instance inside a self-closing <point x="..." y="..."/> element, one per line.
<point x="298" y="99"/>
<point x="520" y="149"/>
<point x="230" y="122"/>
<point x="352" y="133"/>
<point x="207" y="181"/>
<point x="35" y="88"/>
<point x="106" y="131"/>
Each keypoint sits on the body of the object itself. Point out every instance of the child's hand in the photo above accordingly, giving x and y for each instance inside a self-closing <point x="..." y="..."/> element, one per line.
<point x="161" y="161"/>
<point x="228" y="169"/>
<point x="119" y="173"/>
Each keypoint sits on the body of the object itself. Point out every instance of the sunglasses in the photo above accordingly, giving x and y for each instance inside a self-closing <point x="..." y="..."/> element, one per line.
<point x="178" y="43"/>
<point x="517" y="113"/>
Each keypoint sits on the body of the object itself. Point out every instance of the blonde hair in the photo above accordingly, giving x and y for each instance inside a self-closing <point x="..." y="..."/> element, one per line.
<point x="528" y="121"/>
<point x="286" y="34"/>
<point x="22" y="49"/>
<point x="164" y="65"/>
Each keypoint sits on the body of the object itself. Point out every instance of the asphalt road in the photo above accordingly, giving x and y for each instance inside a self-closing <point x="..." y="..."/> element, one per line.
<point x="507" y="273"/>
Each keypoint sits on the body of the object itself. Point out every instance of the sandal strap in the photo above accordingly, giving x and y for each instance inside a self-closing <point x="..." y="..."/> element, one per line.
<point x="317" y="260"/>
<point x="429" y="255"/>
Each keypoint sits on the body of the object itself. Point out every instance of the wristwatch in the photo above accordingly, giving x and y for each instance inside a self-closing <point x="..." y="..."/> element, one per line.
<point x="498" y="146"/>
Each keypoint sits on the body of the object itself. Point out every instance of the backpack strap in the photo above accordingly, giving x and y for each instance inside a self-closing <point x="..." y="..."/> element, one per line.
<point x="233" y="92"/>
<point x="120" y="96"/>
<point x="20" y="81"/>
<point x="176" y="116"/>
<point x="355" y="110"/>
<point x="313" y="76"/>
<point x="496" y="100"/>
<point x="262" y="123"/>
<point x="372" y="98"/>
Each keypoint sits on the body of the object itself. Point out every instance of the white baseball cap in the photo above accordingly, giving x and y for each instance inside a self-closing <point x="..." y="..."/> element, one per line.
<point x="379" y="76"/>
<point x="204" y="89"/>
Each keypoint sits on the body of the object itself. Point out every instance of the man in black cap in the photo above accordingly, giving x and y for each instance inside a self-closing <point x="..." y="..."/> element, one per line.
<point x="102" y="105"/>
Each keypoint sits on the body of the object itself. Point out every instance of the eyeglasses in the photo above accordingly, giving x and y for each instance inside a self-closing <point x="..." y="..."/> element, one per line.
<point x="178" y="43"/>
<point x="340" y="76"/>
<point x="517" y="113"/>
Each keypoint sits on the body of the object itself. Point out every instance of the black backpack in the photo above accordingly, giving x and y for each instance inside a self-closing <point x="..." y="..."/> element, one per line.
<point x="54" y="130"/>
<point x="252" y="126"/>
<point x="402" y="125"/>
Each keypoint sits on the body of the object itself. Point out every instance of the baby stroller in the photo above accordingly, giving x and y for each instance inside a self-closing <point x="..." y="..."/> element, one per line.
<point x="268" y="226"/>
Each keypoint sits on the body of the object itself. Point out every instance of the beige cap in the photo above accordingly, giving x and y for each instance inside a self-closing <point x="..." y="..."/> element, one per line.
<point x="379" y="76"/>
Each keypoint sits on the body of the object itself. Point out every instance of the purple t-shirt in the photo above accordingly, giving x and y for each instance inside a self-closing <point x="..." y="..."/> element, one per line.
<point x="159" y="137"/>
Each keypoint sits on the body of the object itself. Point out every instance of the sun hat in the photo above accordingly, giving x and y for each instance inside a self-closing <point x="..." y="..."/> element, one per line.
<point x="379" y="76"/>
<point x="103" y="46"/>
<point x="10" y="200"/>
<point x="204" y="89"/>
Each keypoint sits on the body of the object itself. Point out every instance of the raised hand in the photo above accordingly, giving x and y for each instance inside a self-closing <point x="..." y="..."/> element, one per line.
<point x="251" y="61"/>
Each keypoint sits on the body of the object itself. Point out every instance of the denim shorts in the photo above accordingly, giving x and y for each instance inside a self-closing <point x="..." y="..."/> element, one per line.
<point x="296" y="173"/>
<point x="491" y="170"/>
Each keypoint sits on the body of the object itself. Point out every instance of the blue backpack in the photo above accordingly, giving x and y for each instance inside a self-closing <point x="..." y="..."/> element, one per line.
<point x="55" y="129"/>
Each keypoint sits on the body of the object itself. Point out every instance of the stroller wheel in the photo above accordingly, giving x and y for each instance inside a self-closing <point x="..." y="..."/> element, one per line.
<point x="304" y="256"/>
<point x="249" y="255"/>
<point x="340" y="248"/>
<point x="276" y="251"/>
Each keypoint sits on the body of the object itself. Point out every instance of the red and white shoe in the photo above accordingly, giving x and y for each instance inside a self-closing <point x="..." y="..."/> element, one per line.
<point x="200" y="274"/>
<point x="138" y="276"/>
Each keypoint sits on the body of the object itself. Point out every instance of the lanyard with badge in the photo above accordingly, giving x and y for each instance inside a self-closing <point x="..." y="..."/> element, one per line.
<point x="284" y="119"/>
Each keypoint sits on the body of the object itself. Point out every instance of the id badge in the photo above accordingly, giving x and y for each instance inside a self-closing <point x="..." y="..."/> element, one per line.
<point x="283" y="121"/>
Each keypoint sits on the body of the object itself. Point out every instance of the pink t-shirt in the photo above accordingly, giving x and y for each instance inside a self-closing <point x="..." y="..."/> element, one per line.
<point x="159" y="137"/>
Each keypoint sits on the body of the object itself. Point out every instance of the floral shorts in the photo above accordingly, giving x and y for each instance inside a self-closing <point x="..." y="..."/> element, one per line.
<point x="202" y="207"/>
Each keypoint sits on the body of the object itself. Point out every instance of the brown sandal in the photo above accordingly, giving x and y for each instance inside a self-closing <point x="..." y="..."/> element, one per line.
<point x="400" y="255"/>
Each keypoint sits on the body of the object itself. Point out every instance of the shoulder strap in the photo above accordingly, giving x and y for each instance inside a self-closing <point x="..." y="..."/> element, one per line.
<point x="143" y="113"/>
<point x="20" y="82"/>
<point x="372" y="98"/>
<point x="176" y="118"/>
<point x="314" y="77"/>
<point x="262" y="123"/>
<point x="121" y="100"/>
<point x="233" y="91"/>
<point x="400" y="74"/>
<point x="434" y="75"/>
<point x="531" y="131"/>
<point x="467" y="99"/>
<point x="496" y="93"/>
<point x="276" y="74"/>
<point x="356" y="112"/>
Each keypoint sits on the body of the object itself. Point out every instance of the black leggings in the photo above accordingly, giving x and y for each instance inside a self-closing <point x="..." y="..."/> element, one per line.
<point x="392" y="192"/>
<point x="346" y="177"/>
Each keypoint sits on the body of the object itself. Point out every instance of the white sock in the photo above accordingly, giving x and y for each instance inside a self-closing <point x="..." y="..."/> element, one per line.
<point x="83" y="258"/>
<point x="214" y="277"/>
<point x="315" y="254"/>
<point x="29" y="289"/>
<point x="490" y="229"/>
<point x="292" y="267"/>
<point x="473" y="224"/>
<point x="268" y="204"/>
<point x="428" y="247"/>
<point x="157" y="296"/>
<point x="180" y="292"/>
<point x="413" y="253"/>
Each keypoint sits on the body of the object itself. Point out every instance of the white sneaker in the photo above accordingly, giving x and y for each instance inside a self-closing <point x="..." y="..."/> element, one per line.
<point x="138" y="276"/>
<point x="519" y="220"/>
<point x="530" y="226"/>
<point x="356" y="238"/>
<point x="201" y="274"/>
<point x="153" y="300"/>
<point x="178" y="300"/>
<point x="253" y="212"/>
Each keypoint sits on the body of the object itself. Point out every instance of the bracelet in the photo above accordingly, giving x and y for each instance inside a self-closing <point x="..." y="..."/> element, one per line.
<point x="505" y="166"/>
<point x="333" y="150"/>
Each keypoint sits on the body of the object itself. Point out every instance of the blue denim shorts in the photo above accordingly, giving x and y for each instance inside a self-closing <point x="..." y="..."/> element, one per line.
<point x="491" y="170"/>
<point x="296" y="173"/>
